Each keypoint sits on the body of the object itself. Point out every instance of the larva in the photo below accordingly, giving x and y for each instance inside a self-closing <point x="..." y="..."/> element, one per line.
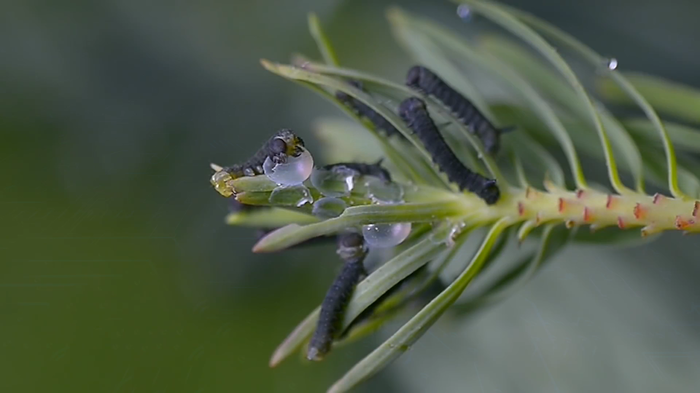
<point x="282" y="145"/>
<point x="362" y="110"/>
<point x="414" y="112"/>
<point x="426" y="81"/>
<point x="352" y="250"/>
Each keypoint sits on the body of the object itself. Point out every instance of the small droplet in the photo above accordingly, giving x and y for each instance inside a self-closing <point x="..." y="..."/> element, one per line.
<point x="295" y="170"/>
<point x="328" y="207"/>
<point x="291" y="196"/>
<point x="386" y="235"/>
<point x="335" y="182"/>
<point x="612" y="63"/>
<point x="464" y="12"/>
<point x="449" y="238"/>
<point x="380" y="191"/>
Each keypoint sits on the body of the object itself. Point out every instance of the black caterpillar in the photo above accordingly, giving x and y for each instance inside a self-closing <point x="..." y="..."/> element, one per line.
<point x="414" y="112"/>
<point x="363" y="169"/>
<point x="352" y="250"/>
<point x="426" y="81"/>
<point x="282" y="145"/>
<point x="362" y="110"/>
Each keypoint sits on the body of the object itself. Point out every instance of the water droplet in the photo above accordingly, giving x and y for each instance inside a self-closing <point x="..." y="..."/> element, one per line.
<point x="612" y="63"/>
<point x="336" y="182"/>
<point x="386" y="235"/>
<point x="328" y="207"/>
<point x="447" y="238"/>
<point x="295" y="170"/>
<point x="380" y="191"/>
<point x="291" y="196"/>
<point x="464" y="12"/>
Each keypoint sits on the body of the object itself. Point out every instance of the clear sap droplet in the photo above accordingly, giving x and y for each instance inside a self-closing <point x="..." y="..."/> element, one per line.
<point x="447" y="238"/>
<point x="334" y="182"/>
<point x="380" y="191"/>
<point x="386" y="235"/>
<point x="295" y="170"/>
<point x="464" y="12"/>
<point x="328" y="207"/>
<point x="612" y="63"/>
<point x="291" y="196"/>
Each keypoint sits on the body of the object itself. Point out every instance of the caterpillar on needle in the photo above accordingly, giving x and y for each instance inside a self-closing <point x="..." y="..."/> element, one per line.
<point x="352" y="250"/>
<point x="283" y="158"/>
<point x="415" y="113"/>
<point x="426" y="81"/>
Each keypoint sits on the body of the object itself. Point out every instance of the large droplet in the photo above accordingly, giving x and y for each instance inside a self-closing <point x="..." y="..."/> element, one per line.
<point x="328" y="207"/>
<point x="464" y="12"/>
<point x="291" y="196"/>
<point x="612" y="63"/>
<point x="334" y="182"/>
<point x="380" y="191"/>
<point x="295" y="170"/>
<point x="386" y="235"/>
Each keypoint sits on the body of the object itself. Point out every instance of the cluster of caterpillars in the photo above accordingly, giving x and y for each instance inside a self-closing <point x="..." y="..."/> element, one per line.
<point x="413" y="111"/>
<point x="351" y="245"/>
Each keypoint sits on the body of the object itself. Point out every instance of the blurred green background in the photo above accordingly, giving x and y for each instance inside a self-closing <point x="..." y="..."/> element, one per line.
<point x="119" y="275"/>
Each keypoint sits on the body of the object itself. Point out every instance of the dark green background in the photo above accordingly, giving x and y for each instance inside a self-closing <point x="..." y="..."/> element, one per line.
<point x="117" y="273"/>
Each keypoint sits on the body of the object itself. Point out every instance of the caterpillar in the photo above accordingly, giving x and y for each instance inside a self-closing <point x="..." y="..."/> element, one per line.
<point x="414" y="112"/>
<point x="426" y="81"/>
<point x="362" y="110"/>
<point x="363" y="169"/>
<point x="280" y="146"/>
<point x="352" y="250"/>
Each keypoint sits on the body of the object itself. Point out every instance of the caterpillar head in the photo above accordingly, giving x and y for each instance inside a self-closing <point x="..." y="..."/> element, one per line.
<point x="284" y="144"/>
<point x="409" y="107"/>
<point x="351" y="245"/>
<point x="415" y="77"/>
<point x="489" y="191"/>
